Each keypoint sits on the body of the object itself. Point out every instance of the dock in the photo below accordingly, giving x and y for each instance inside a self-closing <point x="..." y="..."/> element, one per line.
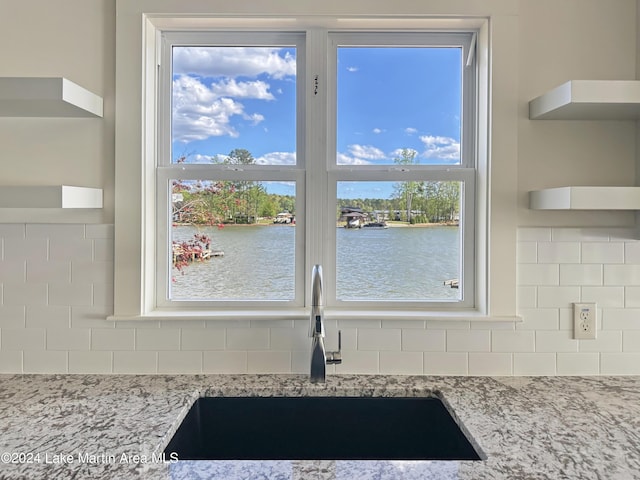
<point x="452" y="283"/>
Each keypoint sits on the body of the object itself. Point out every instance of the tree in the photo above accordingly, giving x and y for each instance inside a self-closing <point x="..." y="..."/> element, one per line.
<point x="405" y="191"/>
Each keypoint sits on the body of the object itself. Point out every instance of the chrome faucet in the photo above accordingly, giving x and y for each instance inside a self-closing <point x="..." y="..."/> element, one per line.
<point x="320" y="358"/>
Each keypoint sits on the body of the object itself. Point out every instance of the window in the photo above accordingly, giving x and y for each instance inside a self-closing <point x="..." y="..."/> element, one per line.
<point x="277" y="151"/>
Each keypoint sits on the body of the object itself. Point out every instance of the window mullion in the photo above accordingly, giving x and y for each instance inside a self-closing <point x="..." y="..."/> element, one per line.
<point x="316" y="122"/>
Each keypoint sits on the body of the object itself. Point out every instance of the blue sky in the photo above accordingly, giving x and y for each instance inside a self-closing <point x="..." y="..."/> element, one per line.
<point x="388" y="99"/>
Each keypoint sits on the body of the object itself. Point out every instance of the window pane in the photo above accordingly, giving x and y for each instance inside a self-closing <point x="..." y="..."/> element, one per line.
<point x="232" y="240"/>
<point x="392" y="99"/>
<point x="398" y="241"/>
<point x="227" y="99"/>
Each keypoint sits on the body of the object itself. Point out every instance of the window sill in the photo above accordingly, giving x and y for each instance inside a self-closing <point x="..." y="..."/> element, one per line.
<point x="303" y="314"/>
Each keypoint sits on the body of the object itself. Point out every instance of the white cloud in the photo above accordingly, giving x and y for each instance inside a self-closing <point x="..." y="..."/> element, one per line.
<point x="199" y="112"/>
<point x="367" y="152"/>
<point x="410" y="130"/>
<point x="445" y="148"/>
<point x="277" y="158"/>
<point x="352" y="69"/>
<point x="377" y="131"/>
<point x="343" y="159"/>
<point x="230" y="88"/>
<point x="233" y="61"/>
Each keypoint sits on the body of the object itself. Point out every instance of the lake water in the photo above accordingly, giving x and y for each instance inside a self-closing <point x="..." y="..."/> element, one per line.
<point x="372" y="264"/>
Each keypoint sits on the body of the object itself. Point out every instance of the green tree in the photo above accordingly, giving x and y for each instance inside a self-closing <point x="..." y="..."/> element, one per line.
<point x="406" y="191"/>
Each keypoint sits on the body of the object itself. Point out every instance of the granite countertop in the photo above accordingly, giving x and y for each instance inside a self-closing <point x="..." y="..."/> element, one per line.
<point x="115" y="426"/>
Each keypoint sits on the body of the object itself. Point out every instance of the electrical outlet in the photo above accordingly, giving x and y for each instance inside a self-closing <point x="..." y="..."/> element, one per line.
<point x="584" y="321"/>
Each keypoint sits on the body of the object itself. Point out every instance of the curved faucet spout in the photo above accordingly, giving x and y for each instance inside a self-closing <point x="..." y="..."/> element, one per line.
<point x="319" y="356"/>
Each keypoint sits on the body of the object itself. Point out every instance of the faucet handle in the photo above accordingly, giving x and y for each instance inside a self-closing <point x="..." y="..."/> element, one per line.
<point x="336" y="357"/>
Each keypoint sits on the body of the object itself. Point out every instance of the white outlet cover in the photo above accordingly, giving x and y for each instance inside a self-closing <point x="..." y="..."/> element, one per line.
<point x="584" y="321"/>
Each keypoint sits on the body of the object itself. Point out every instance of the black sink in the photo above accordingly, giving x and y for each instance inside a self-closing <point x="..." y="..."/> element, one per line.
<point x="320" y="428"/>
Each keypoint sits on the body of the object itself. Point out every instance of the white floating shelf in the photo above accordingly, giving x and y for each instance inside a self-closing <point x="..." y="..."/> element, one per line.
<point x="46" y="97"/>
<point x="58" y="196"/>
<point x="589" y="100"/>
<point x="586" y="198"/>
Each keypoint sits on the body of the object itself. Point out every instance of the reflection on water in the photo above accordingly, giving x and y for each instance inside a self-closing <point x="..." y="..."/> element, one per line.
<point x="397" y="263"/>
<point x="387" y="264"/>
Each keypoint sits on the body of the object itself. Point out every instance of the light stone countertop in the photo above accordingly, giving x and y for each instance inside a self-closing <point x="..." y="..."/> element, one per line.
<point x="111" y="426"/>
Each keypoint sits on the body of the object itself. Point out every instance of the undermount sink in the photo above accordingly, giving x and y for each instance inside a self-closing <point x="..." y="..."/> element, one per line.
<point x="321" y="428"/>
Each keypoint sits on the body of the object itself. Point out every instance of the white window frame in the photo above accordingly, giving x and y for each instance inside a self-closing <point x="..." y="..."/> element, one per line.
<point x="465" y="172"/>
<point x="166" y="170"/>
<point x="139" y="23"/>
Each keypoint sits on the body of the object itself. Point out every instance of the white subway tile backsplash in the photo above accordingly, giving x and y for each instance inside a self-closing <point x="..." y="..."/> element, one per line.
<point x="70" y="294"/>
<point x="99" y="231"/>
<point x="78" y="249"/>
<point x="12" y="271"/>
<point x="628" y="275"/>
<point x="43" y="361"/>
<point x="606" y="341"/>
<point x="494" y="364"/>
<point x="621" y="319"/>
<point x="401" y="363"/>
<point x="48" y="316"/>
<point x="68" y="339"/>
<point x="541" y="234"/>
<point x="269" y="362"/>
<point x="12" y="316"/>
<point x="158" y="339"/>
<point x="90" y="362"/>
<point x="620" y="364"/>
<point x="538" y="274"/>
<point x="12" y="230"/>
<point x="604" y="296"/>
<point x="36" y="249"/>
<point x="202" y="339"/>
<point x="526" y="297"/>
<point x="24" y="294"/>
<point x="103" y="250"/>
<point x="571" y="274"/>
<point x="534" y="364"/>
<point x="632" y="253"/>
<point x="559" y="252"/>
<point x="23" y="339"/>
<point x="469" y="341"/>
<point x="557" y="297"/>
<point x="518" y="341"/>
<point x="91" y="316"/>
<point x="55" y="230"/>
<point x="359" y="362"/>
<point x="527" y="252"/>
<point x="379" y="339"/>
<point x="446" y="363"/>
<point x="91" y="272"/>
<point x="632" y="297"/>
<point x="602" y="252"/>
<point x="112" y="339"/>
<point x="424" y="340"/>
<point x="56" y="290"/>
<point x="631" y="341"/>
<point x="135" y="362"/>
<point x="539" y="319"/>
<point x="227" y="361"/>
<point x="48" y="272"/>
<point x="555" y="341"/>
<point x="10" y="361"/>
<point x="179" y="362"/>
<point x="565" y="234"/>
<point x="102" y="294"/>
<point x="248" y="339"/>
<point x="578" y="364"/>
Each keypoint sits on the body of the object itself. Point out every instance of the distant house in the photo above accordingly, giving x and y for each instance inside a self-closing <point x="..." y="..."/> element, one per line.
<point x="353" y="216"/>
